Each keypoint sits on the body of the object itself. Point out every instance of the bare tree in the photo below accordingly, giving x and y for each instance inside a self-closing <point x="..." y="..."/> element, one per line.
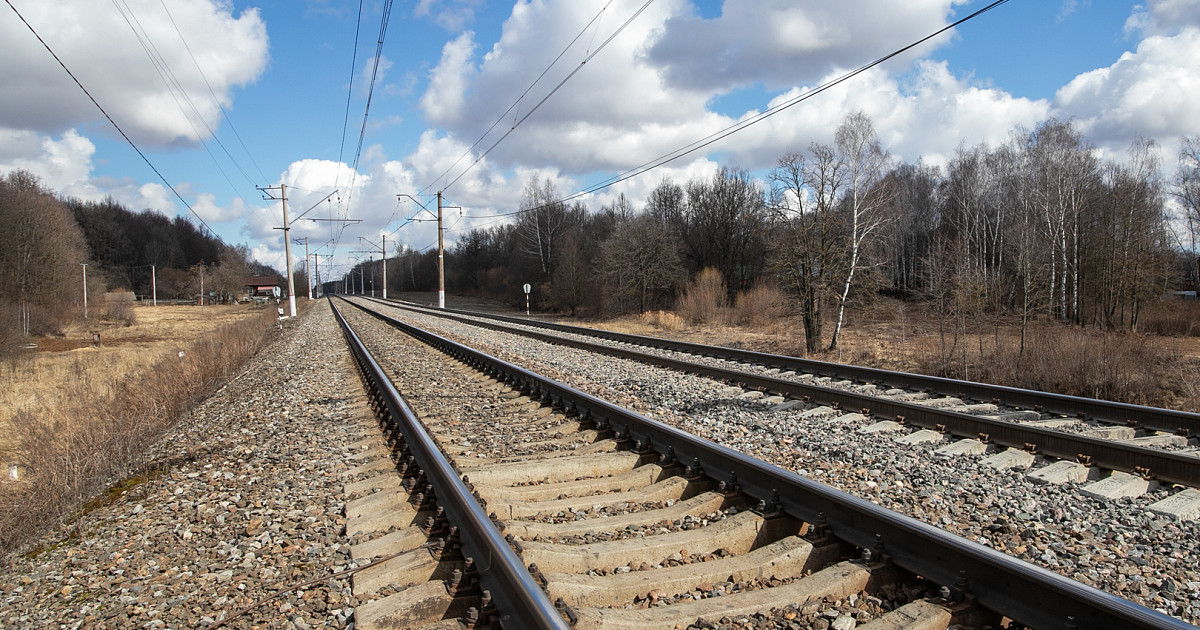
<point x="720" y="222"/>
<point x="1187" y="191"/>
<point x="570" y="281"/>
<point x="640" y="260"/>
<point x="1065" y="179"/>
<point x="803" y="195"/>
<point x="40" y="255"/>
<point x="544" y="220"/>
<point x="1129" y="237"/>
<point x="864" y="162"/>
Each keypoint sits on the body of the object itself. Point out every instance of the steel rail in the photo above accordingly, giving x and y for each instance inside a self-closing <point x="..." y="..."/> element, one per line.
<point x="1167" y="466"/>
<point x="1154" y="418"/>
<point x="519" y="600"/>
<point x="1026" y="593"/>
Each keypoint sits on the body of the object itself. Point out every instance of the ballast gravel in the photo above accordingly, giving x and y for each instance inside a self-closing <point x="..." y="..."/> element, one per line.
<point x="467" y="411"/>
<point x="240" y="501"/>
<point x="1114" y="545"/>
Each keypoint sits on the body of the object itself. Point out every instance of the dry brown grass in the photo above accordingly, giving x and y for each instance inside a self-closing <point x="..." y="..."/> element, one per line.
<point x="1173" y="318"/>
<point x="704" y="301"/>
<point x="35" y="380"/>
<point x="83" y="417"/>
<point x="659" y="320"/>
<point x="1141" y="368"/>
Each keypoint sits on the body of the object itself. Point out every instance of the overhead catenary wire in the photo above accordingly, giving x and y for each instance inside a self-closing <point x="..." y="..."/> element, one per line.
<point x="211" y="91"/>
<point x="753" y="120"/>
<point x="362" y="133"/>
<point x="349" y="94"/>
<point x="336" y="235"/>
<point x="545" y="98"/>
<point x="175" y="88"/>
<point x="746" y="123"/>
<point x="113" y="122"/>
<point x="517" y="102"/>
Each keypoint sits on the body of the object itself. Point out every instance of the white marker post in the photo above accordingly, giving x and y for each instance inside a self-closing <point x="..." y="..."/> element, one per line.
<point x="527" y="288"/>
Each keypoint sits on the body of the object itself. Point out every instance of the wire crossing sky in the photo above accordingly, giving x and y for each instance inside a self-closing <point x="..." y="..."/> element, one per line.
<point x="477" y="97"/>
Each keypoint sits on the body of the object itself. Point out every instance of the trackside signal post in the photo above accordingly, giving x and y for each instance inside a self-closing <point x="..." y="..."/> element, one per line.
<point x="527" y="288"/>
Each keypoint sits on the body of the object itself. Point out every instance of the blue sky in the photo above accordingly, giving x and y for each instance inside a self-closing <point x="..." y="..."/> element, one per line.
<point x="680" y="71"/>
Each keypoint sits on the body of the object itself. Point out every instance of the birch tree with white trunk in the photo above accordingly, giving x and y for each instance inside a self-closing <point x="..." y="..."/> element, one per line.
<point x="864" y="163"/>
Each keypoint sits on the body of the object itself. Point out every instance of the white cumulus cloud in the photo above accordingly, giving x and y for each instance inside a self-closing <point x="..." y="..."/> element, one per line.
<point x="117" y="71"/>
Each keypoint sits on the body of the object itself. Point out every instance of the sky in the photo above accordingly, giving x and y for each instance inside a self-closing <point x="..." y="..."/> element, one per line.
<point x="473" y="98"/>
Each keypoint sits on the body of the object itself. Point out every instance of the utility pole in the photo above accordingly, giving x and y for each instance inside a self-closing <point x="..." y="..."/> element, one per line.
<point x="383" y="250"/>
<point x="441" y="259"/>
<point x="287" y="242"/>
<point x="307" y="269"/>
<point x="441" y="247"/>
<point x="85" y="313"/>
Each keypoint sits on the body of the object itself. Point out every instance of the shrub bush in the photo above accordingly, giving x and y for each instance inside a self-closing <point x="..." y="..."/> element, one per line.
<point x="761" y="306"/>
<point x="705" y="299"/>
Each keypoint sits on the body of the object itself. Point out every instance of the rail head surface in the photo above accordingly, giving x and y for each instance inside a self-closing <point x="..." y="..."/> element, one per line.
<point x="519" y="600"/>
<point x="1155" y="418"/>
<point x="1029" y="594"/>
<point x="1163" y="465"/>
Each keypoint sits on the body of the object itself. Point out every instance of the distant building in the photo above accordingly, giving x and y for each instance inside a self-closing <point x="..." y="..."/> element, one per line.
<point x="261" y="286"/>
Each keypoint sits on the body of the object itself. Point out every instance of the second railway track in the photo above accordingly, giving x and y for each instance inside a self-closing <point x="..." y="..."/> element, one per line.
<point x="1144" y="452"/>
<point x="624" y="534"/>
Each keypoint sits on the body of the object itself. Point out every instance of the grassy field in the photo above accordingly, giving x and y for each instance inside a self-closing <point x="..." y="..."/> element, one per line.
<point x="37" y="379"/>
<point x="77" y="415"/>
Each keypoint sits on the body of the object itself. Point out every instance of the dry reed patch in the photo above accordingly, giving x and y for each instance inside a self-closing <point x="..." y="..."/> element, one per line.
<point x="100" y="426"/>
<point x="39" y="380"/>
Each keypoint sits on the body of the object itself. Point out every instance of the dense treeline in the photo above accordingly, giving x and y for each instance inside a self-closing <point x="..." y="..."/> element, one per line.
<point x="48" y="240"/>
<point x="1036" y="227"/>
<point x="126" y="245"/>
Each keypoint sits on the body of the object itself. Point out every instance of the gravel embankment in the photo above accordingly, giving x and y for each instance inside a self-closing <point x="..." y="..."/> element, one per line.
<point x="1117" y="546"/>
<point x="245" y="499"/>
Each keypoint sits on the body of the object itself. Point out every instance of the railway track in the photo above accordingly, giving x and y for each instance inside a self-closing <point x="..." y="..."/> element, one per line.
<point x="1013" y="401"/>
<point x="632" y="523"/>
<point x="1082" y="440"/>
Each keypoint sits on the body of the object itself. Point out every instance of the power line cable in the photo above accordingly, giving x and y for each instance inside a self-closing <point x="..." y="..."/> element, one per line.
<point x="741" y="125"/>
<point x="349" y="93"/>
<point x="177" y="91"/>
<point x="753" y="120"/>
<point x="211" y="91"/>
<point x="519" y="98"/>
<point x="383" y="24"/>
<point x="113" y="122"/>
<point x="552" y="92"/>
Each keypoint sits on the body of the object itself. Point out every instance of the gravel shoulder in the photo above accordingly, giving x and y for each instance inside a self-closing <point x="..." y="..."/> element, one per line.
<point x="242" y="498"/>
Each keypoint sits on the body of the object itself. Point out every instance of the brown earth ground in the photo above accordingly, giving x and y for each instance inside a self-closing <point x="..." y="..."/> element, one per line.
<point x="33" y="380"/>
